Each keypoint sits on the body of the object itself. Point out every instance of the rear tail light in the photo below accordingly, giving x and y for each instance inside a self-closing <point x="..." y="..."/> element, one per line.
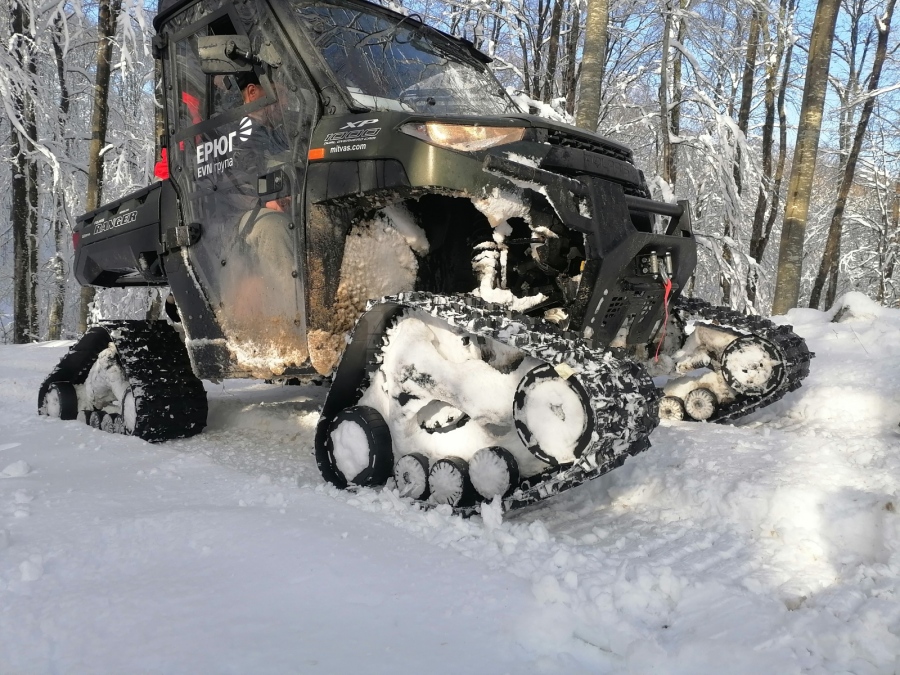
<point x="76" y="239"/>
<point x="161" y="170"/>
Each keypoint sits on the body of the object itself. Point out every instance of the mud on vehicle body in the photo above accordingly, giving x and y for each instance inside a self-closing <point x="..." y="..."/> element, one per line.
<point x="384" y="159"/>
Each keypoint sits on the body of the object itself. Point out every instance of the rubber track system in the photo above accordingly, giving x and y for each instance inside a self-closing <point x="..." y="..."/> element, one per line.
<point x="795" y="356"/>
<point x="622" y="395"/>
<point x="170" y="400"/>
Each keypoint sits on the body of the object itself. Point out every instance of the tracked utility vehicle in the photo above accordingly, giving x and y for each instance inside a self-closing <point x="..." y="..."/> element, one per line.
<point x="350" y="194"/>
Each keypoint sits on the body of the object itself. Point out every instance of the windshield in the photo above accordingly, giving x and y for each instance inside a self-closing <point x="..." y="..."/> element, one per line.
<point x="390" y="63"/>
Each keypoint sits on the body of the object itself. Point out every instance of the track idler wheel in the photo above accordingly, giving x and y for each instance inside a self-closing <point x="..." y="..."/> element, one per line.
<point x="411" y="474"/>
<point x="450" y="483"/>
<point x="359" y="446"/>
<point x="552" y="415"/>
<point x="700" y="404"/>
<point x="112" y="423"/>
<point x="129" y="413"/>
<point x="96" y="419"/>
<point x="751" y="366"/>
<point x="494" y="472"/>
<point x="60" y="401"/>
<point x="671" y="408"/>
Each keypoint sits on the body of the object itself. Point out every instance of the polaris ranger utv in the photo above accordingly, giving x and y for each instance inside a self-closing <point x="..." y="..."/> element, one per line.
<point x="350" y="193"/>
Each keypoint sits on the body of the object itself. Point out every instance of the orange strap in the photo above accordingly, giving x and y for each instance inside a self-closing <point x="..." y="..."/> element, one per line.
<point x="668" y="287"/>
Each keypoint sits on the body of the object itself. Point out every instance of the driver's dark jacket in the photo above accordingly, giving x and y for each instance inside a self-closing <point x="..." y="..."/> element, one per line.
<point x="257" y="150"/>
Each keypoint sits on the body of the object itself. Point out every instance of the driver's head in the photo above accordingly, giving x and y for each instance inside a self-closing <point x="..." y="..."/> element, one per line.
<point x="252" y="90"/>
<point x="250" y="87"/>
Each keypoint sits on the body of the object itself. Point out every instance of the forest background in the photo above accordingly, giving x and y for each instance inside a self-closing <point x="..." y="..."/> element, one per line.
<point x="779" y="120"/>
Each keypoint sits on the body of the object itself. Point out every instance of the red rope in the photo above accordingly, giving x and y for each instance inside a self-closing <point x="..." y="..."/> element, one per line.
<point x="668" y="287"/>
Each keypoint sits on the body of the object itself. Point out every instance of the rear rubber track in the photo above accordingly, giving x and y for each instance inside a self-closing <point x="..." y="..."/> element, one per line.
<point x="170" y="400"/>
<point x="622" y="396"/>
<point x="795" y="355"/>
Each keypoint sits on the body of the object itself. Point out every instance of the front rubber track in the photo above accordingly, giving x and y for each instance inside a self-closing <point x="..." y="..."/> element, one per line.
<point x="795" y="355"/>
<point x="623" y="398"/>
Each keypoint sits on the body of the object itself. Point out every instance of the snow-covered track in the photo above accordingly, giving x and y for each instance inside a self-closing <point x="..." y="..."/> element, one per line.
<point x="168" y="400"/>
<point x="622" y="397"/>
<point x="793" y="353"/>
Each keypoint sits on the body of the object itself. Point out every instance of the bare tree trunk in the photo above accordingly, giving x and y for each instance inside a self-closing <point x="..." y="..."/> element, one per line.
<point x="796" y="211"/>
<point x="153" y="311"/>
<point x="552" y="51"/>
<point x="526" y="58"/>
<point x="666" y="158"/>
<point x="538" y="52"/>
<point x="573" y="66"/>
<point x="890" y="237"/>
<point x="108" y="15"/>
<point x="593" y="63"/>
<point x="743" y="119"/>
<point x="829" y="267"/>
<point x="675" y="112"/>
<point x="743" y="123"/>
<point x="24" y="205"/>
<point x="855" y="10"/>
<point x="58" y="299"/>
<point x="782" y="148"/>
<point x="758" y="234"/>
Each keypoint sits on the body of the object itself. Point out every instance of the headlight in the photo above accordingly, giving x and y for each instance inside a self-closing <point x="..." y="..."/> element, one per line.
<point x="463" y="137"/>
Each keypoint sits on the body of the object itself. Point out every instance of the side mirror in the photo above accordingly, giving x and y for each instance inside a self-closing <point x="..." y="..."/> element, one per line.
<point x="225" y="54"/>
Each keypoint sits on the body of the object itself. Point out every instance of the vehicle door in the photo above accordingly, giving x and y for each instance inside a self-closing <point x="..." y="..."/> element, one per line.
<point x="238" y="166"/>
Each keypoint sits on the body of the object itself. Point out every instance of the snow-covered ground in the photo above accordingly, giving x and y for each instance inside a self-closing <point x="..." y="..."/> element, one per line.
<point x="769" y="547"/>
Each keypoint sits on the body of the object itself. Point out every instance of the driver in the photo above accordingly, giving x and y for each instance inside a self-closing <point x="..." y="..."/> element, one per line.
<point x="263" y="143"/>
<point x="260" y="286"/>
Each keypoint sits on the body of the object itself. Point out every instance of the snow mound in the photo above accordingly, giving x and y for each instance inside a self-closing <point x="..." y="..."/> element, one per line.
<point x="16" y="469"/>
<point x="32" y="569"/>
<point x="855" y="306"/>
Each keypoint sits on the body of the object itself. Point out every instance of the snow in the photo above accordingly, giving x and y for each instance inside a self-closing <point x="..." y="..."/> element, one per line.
<point x="554" y="112"/>
<point x="489" y="473"/>
<point x="554" y="411"/>
<point x="771" y="546"/>
<point x="532" y="162"/>
<point x="351" y="449"/>
<point x="506" y="297"/>
<point x="16" y="470"/>
<point x="105" y="385"/>
<point x="499" y="206"/>
<point x="429" y="373"/>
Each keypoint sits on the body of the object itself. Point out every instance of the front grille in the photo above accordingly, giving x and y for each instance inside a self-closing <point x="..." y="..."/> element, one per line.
<point x="556" y="137"/>
<point x="597" y="146"/>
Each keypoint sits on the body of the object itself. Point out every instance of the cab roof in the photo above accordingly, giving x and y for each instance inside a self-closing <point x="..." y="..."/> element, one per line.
<point x="169" y="7"/>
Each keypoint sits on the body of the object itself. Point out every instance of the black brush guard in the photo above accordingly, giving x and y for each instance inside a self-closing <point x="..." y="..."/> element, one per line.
<point x="618" y="285"/>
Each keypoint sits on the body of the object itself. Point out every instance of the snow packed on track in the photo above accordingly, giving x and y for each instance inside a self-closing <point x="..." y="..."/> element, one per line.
<point x="769" y="546"/>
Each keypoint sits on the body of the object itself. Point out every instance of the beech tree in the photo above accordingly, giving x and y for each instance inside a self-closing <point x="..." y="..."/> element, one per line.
<point x="108" y="13"/>
<point x="778" y="51"/>
<point x="24" y="208"/>
<point x="54" y="69"/>
<point x="790" y="256"/>
<point x="828" y="270"/>
<point x="60" y="211"/>
<point x="593" y="64"/>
